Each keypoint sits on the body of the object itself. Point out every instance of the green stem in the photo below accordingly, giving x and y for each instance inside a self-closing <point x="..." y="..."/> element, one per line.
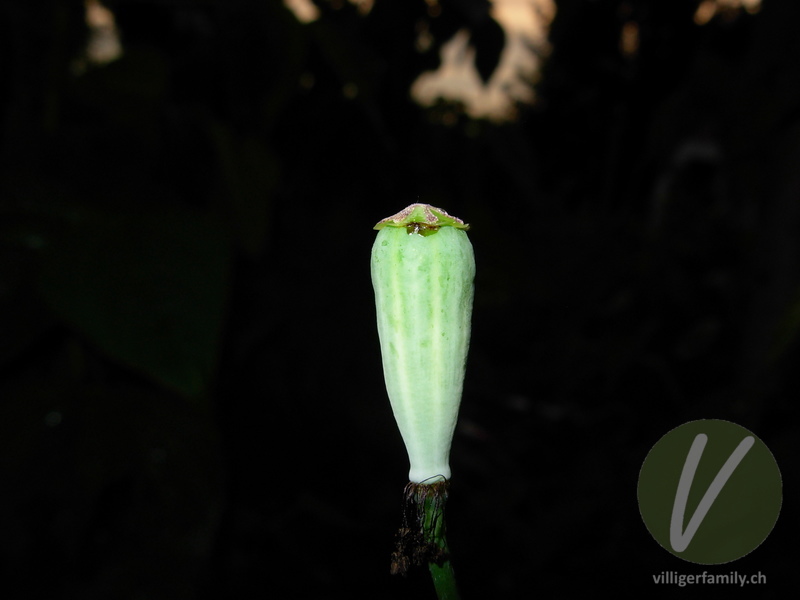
<point x="423" y="539"/>
<point x="434" y="531"/>
<point x="444" y="580"/>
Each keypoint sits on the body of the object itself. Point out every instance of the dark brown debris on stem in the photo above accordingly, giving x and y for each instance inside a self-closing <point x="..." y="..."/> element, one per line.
<point x="420" y="539"/>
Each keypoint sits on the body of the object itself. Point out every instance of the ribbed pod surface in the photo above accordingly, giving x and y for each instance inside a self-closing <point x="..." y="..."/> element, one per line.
<point x="423" y="293"/>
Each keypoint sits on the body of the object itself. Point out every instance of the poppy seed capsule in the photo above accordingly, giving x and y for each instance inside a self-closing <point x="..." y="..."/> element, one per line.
<point x="423" y="271"/>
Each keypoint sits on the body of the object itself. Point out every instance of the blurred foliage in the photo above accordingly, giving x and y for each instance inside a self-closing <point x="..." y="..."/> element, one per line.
<point x="187" y="345"/>
<point x="146" y="286"/>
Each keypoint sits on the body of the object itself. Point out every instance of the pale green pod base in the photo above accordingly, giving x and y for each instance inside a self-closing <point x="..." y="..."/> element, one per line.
<point x="423" y="294"/>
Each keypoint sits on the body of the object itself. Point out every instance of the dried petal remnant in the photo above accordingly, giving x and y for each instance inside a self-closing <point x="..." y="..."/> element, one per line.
<point x="421" y="538"/>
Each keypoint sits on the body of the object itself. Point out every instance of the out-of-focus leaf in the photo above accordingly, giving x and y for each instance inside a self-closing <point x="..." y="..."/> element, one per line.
<point x="250" y="172"/>
<point x="148" y="288"/>
<point x="789" y="328"/>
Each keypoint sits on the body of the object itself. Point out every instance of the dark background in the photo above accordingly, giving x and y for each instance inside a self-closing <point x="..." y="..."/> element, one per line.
<point x="191" y="396"/>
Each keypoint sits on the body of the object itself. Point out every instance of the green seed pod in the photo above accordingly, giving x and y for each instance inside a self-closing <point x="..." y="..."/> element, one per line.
<point x="423" y="271"/>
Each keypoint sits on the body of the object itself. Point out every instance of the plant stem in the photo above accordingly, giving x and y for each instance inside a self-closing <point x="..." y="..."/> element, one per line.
<point x="444" y="580"/>
<point x="422" y="537"/>
<point x="434" y="532"/>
